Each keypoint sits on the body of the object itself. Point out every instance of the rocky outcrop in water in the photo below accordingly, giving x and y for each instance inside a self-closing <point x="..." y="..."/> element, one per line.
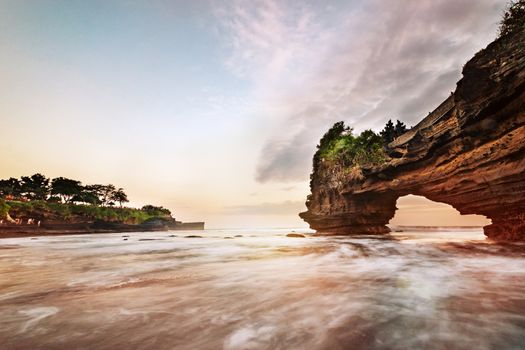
<point x="469" y="153"/>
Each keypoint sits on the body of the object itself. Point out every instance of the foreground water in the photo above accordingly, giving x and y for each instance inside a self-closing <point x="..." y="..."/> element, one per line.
<point x="261" y="290"/>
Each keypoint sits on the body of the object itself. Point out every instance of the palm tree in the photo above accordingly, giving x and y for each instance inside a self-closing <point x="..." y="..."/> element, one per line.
<point x="119" y="196"/>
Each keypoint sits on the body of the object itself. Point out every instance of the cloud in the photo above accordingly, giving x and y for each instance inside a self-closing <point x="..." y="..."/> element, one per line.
<point x="280" y="208"/>
<point x="362" y="62"/>
<point x="263" y="37"/>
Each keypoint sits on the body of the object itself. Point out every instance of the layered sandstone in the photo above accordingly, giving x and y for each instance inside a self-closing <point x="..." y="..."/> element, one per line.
<point x="469" y="153"/>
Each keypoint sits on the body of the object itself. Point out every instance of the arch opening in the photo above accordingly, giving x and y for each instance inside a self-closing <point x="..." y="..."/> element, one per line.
<point x="415" y="210"/>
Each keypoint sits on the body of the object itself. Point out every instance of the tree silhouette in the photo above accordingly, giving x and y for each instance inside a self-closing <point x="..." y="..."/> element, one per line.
<point x="119" y="196"/>
<point x="35" y="187"/>
<point x="10" y="187"/>
<point x="106" y="193"/>
<point x="399" y="129"/>
<point x="93" y="194"/>
<point x="513" y="19"/>
<point x="69" y="191"/>
<point x="388" y="133"/>
<point x="156" y="210"/>
<point x="391" y="132"/>
<point x="65" y="188"/>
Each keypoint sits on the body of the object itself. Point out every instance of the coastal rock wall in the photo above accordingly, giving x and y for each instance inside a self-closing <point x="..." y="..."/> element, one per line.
<point x="469" y="153"/>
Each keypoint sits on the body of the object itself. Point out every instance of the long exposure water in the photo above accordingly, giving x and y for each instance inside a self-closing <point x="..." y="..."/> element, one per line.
<point x="257" y="289"/>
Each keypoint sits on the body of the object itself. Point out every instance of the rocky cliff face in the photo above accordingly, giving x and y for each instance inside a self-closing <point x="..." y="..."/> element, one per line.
<point x="469" y="153"/>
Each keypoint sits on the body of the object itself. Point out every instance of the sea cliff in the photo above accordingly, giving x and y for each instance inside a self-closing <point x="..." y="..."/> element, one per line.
<point x="469" y="153"/>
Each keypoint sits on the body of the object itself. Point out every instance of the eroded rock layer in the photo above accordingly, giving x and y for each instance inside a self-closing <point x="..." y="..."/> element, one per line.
<point x="469" y="153"/>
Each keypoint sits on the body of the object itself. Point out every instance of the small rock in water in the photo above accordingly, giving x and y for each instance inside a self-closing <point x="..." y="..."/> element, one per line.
<point x="125" y="239"/>
<point x="238" y="235"/>
<point x="192" y="236"/>
<point x="295" y="235"/>
<point x="172" y="236"/>
<point x="228" y="237"/>
<point x="148" y="239"/>
<point x="125" y="236"/>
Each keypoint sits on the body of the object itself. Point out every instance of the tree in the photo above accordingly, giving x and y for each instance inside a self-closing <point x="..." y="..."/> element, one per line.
<point x="333" y="133"/>
<point x="86" y="197"/>
<point x="119" y="196"/>
<point x="35" y="187"/>
<point x="367" y="139"/>
<point x="103" y="192"/>
<point x="388" y="133"/>
<point x="399" y="129"/>
<point x="391" y="132"/>
<point x="513" y="19"/>
<point x="99" y="194"/>
<point x="94" y="193"/>
<point x="156" y="210"/>
<point x="10" y="187"/>
<point x="65" y="188"/>
<point x="107" y="192"/>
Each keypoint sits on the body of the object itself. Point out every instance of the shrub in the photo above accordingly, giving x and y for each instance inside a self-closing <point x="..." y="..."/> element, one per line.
<point x="349" y="150"/>
<point x="156" y="210"/>
<point x="19" y="208"/>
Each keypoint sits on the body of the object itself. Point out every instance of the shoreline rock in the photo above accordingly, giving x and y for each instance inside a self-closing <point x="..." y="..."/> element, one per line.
<point x="295" y="235"/>
<point x="61" y="228"/>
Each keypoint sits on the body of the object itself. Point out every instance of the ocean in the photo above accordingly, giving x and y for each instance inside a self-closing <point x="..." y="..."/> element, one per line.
<point x="259" y="289"/>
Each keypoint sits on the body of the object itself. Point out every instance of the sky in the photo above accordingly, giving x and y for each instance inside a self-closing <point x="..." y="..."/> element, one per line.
<point x="213" y="108"/>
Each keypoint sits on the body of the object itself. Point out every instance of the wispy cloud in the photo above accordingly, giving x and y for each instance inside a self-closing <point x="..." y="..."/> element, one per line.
<point x="264" y="37"/>
<point x="362" y="62"/>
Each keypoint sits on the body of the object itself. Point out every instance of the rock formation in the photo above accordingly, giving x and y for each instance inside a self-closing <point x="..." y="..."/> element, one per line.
<point x="469" y="153"/>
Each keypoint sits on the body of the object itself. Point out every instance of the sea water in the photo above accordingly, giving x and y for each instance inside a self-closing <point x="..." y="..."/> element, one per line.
<point x="258" y="289"/>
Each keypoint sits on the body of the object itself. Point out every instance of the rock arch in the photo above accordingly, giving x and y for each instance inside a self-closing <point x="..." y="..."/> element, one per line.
<point x="468" y="153"/>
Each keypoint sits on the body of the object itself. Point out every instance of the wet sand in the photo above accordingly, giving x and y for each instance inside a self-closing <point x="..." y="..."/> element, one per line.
<point x="262" y="290"/>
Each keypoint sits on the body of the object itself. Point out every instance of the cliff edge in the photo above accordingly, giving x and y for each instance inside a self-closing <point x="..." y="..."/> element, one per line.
<point x="469" y="153"/>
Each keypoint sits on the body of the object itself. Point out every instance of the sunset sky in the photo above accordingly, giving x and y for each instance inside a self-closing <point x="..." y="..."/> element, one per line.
<point x="214" y="108"/>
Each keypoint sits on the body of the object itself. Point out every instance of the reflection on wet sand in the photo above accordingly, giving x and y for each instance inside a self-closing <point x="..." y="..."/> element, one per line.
<point x="262" y="290"/>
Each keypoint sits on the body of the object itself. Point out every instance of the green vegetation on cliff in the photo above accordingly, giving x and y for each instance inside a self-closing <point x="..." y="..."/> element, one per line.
<point x="62" y="199"/>
<point x="340" y="147"/>
<point x="349" y="150"/>
<point x="67" y="212"/>
<point x="4" y="209"/>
